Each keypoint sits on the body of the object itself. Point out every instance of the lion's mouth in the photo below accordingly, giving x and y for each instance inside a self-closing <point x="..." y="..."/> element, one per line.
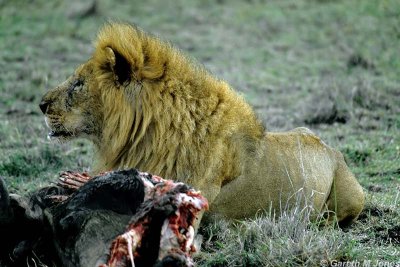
<point x="57" y="134"/>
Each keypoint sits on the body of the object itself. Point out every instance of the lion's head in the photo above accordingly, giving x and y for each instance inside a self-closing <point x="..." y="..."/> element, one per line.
<point x="71" y="108"/>
<point x="103" y="91"/>
<point x="135" y="94"/>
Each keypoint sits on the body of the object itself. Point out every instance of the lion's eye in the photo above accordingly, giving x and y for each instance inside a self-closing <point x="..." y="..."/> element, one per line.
<point x="76" y="85"/>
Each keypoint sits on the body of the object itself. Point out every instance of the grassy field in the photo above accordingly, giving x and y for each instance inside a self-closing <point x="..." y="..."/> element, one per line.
<point x="330" y="65"/>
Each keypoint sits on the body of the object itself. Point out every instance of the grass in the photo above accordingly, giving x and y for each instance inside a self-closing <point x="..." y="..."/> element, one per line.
<point x="291" y="239"/>
<point x="330" y="65"/>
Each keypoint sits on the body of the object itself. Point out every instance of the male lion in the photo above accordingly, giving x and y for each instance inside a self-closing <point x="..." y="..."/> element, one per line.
<point x="145" y="105"/>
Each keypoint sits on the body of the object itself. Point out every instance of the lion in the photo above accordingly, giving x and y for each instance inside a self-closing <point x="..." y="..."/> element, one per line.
<point x="146" y="105"/>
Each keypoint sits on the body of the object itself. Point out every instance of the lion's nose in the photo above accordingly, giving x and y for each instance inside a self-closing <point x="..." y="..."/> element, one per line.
<point x="44" y="105"/>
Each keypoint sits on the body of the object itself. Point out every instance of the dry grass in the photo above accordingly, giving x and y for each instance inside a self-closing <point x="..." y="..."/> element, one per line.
<point x="290" y="239"/>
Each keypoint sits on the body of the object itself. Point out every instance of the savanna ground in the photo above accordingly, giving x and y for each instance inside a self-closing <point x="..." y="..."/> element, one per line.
<point x="333" y="66"/>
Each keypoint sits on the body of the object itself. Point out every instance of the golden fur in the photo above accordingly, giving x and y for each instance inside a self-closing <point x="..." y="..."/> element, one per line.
<point x="147" y="106"/>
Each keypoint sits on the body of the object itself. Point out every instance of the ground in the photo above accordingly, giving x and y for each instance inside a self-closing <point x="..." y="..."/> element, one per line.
<point x="330" y="65"/>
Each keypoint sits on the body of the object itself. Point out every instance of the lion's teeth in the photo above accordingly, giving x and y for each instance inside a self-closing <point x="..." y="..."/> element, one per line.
<point x="50" y="135"/>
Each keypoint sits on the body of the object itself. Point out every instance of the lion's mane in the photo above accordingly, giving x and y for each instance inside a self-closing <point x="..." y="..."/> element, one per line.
<point x="170" y="116"/>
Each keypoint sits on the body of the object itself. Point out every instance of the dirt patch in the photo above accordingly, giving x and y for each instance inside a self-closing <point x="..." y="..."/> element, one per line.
<point x="357" y="156"/>
<point x="389" y="235"/>
<point x="373" y="211"/>
<point x="339" y="102"/>
<point x="358" y="60"/>
<point x="330" y="105"/>
<point x="326" y="112"/>
<point x="394" y="234"/>
<point x="383" y="229"/>
<point x="376" y="188"/>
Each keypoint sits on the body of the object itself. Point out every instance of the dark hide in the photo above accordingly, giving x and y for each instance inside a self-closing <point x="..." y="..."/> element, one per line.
<point x="76" y="232"/>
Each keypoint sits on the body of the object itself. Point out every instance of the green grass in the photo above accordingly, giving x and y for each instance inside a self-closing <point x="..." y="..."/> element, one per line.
<point x="331" y="65"/>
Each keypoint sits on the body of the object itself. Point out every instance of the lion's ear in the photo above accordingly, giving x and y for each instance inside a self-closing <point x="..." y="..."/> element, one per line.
<point x="119" y="66"/>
